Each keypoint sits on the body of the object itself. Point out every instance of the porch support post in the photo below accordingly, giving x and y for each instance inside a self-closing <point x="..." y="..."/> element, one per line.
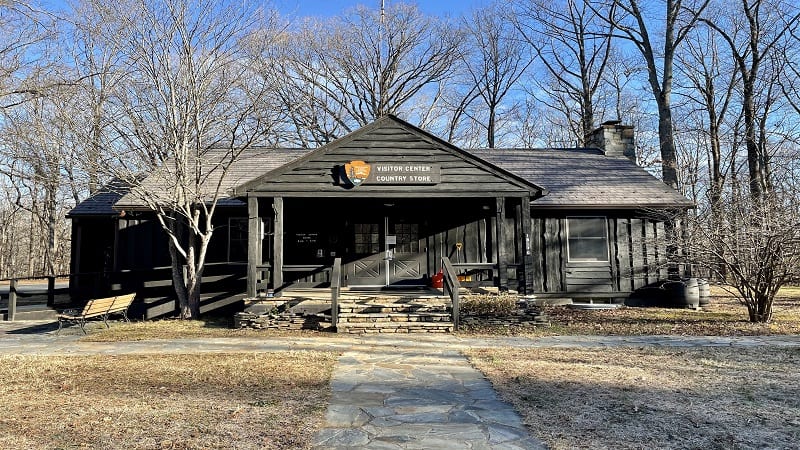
<point x="253" y="245"/>
<point x="527" y="251"/>
<point x="502" y="262"/>
<point x="277" y="244"/>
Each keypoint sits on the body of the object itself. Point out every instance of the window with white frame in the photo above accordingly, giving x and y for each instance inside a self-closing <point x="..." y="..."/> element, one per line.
<point x="587" y="239"/>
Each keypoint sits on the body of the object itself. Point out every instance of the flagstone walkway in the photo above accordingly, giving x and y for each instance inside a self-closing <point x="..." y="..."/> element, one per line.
<point x="413" y="399"/>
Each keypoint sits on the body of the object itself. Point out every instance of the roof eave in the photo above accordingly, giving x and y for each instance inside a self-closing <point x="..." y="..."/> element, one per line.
<point x="617" y="206"/>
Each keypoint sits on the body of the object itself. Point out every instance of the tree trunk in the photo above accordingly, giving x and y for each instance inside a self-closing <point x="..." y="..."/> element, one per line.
<point x="178" y="281"/>
<point x="31" y="246"/>
<point x="191" y="308"/>
<point x="490" y="126"/>
<point x="760" y="309"/>
<point x="51" y="251"/>
<point x="669" y="160"/>
<point x="754" y="159"/>
<point x="588" y="116"/>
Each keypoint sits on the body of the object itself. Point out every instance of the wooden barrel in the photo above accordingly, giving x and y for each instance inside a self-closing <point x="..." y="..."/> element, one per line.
<point x="704" y="288"/>
<point x="684" y="294"/>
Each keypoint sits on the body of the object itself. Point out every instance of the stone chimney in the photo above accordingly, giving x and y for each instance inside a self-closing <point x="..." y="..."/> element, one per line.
<point x="613" y="139"/>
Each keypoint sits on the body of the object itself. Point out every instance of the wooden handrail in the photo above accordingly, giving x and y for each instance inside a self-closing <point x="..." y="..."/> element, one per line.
<point x="43" y="277"/>
<point x="451" y="287"/>
<point x="336" y="284"/>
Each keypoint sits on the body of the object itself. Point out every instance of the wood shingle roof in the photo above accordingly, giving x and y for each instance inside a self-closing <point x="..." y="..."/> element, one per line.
<point x="573" y="178"/>
<point x="585" y="178"/>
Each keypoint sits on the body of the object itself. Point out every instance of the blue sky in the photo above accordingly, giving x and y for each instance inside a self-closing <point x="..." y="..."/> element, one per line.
<point x="327" y="8"/>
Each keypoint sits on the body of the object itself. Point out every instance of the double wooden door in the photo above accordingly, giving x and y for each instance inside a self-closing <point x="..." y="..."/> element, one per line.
<point x="387" y="252"/>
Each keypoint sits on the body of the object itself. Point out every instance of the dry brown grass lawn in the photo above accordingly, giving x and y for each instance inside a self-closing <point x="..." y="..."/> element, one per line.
<point x="725" y="316"/>
<point x="629" y="398"/>
<point x="243" y="401"/>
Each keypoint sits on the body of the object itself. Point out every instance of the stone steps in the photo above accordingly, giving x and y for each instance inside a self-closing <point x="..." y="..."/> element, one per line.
<point x="395" y="327"/>
<point x="282" y="321"/>
<point x="356" y="315"/>
<point x="394" y="317"/>
<point x="370" y="309"/>
<point x="386" y="315"/>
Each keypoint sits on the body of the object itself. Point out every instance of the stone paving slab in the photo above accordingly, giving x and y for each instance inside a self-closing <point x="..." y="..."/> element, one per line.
<point x="411" y="399"/>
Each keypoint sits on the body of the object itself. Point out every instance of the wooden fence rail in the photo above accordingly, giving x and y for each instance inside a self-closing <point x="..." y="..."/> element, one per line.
<point x="12" y="299"/>
<point x="14" y="293"/>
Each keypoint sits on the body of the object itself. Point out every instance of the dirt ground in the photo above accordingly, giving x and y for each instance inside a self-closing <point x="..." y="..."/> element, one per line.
<point x="244" y="401"/>
<point x="645" y="398"/>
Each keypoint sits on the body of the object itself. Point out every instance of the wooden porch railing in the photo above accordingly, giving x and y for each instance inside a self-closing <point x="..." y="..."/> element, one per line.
<point x="451" y="286"/>
<point x="336" y="284"/>
<point x="13" y="286"/>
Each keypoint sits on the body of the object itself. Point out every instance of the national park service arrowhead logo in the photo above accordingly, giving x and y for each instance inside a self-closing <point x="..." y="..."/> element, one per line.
<point x="356" y="172"/>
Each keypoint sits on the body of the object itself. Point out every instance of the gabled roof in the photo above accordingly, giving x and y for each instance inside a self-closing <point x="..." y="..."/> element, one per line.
<point x="586" y="178"/>
<point x="101" y="202"/>
<point x="575" y="178"/>
<point x="390" y="140"/>
<point x="250" y="163"/>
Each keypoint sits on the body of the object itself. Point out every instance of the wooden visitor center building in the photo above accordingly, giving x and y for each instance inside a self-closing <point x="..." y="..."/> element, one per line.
<point x="390" y="200"/>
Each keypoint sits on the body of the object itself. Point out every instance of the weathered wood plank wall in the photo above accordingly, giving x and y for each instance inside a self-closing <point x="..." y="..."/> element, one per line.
<point x="636" y="257"/>
<point x="460" y="177"/>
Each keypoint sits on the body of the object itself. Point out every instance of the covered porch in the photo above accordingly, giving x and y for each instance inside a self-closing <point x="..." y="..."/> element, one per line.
<point x="385" y="243"/>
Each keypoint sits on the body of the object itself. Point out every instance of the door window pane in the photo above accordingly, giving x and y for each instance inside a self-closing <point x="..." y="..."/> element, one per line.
<point x="407" y="237"/>
<point x="366" y="238"/>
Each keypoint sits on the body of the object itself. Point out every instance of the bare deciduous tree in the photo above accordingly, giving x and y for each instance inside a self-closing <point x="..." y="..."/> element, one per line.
<point x="754" y="33"/>
<point x="25" y="29"/>
<point x="94" y="71"/>
<point x="495" y="60"/>
<point x="573" y="42"/>
<point x="36" y="156"/>
<point x="638" y="26"/>
<point x="754" y="257"/>
<point x="348" y="71"/>
<point x="185" y="108"/>
<point x="710" y="89"/>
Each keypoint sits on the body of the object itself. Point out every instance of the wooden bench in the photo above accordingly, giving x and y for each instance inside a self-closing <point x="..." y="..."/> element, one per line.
<point x="121" y="305"/>
<point x="99" y="307"/>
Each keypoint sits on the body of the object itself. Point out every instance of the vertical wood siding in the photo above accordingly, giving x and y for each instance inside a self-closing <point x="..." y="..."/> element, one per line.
<point x="636" y="257"/>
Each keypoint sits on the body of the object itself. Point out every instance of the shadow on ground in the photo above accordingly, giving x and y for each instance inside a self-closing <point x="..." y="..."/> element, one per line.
<point x="39" y="328"/>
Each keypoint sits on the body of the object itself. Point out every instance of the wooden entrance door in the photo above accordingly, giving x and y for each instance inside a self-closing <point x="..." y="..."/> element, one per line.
<point x="386" y="253"/>
<point x="368" y="267"/>
<point x="405" y="253"/>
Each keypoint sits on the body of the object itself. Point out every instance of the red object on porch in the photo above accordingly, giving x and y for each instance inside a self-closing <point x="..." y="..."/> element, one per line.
<point x="437" y="281"/>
